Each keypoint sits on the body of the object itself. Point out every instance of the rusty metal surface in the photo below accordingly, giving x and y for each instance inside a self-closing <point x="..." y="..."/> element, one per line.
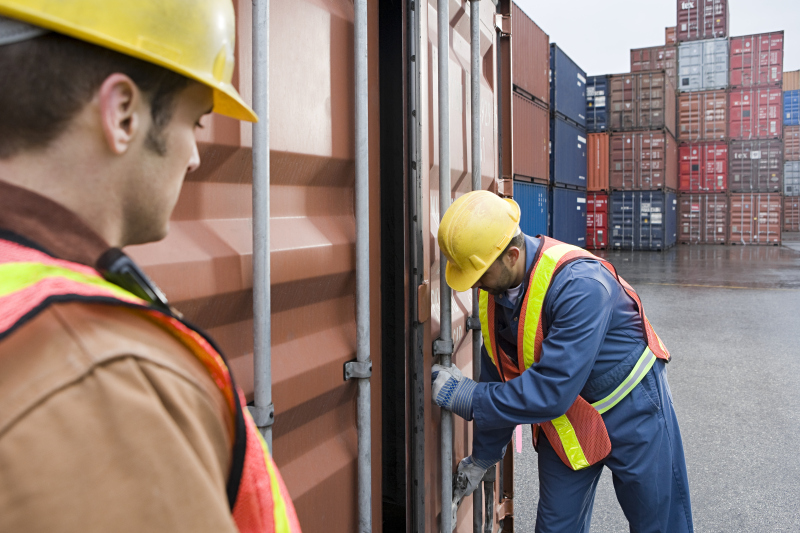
<point x="205" y="267"/>
<point x="530" y="56"/>
<point x="791" y="143"/>
<point x="703" y="116"/>
<point x="643" y="161"/>
<point x="755" y="218"/>
<point x="791" y="213"/>
<point x="657" y="58"/>
<point x="597" y="162"/>
<point x="703" y="218"/>
<point x="755" y="166"/>
<point x="531" y="141"/>
<point x="641" y="101"/>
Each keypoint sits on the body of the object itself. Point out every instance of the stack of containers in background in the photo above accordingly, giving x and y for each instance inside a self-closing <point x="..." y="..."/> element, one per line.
<point x="596" y="163"/>
<point x="531" y="122"/>
<point x="755" y="129"/>
<point x="567" y="149"/>
<point x="791" y="151"/>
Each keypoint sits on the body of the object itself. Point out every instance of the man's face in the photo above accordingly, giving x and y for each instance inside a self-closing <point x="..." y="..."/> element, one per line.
<point x="155" y="181"/>
<point x="498" y="278"/>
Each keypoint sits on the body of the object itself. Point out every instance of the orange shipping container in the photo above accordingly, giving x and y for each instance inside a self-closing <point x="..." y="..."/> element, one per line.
<point x="531" y="143"/>
<point x="671" y="35"/>
<point x="791" y="143"/>
<point x="531" y="56"/>
<point x="755" y="218"/>
<point x="791" y="80"/>
<point x="703" y="116"/>
<point x="643" y="161"/>
<point x="597" y="162"/>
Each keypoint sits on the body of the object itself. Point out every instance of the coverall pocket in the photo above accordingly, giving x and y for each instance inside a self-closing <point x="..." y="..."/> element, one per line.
<point x="649" y="390"/>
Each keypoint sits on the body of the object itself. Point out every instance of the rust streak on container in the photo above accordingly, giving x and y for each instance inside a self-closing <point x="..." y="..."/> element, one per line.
<point x="643" y="161"/>
<point x="755" y="218"/>
<point x="703" y="167"/>
<point x="597" y="162"/>
<point x="531" y="140"/>
<point x="703" y="116"/>
<point x="641" y="101"/>
<point x="703" y="219"/>
<point x="530" y="57"/>
<point x="791" y="143"/>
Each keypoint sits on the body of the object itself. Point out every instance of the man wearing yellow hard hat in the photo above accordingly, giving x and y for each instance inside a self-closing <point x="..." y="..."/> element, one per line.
<point x="567" y="347"/>
<point x="117" y="415"/>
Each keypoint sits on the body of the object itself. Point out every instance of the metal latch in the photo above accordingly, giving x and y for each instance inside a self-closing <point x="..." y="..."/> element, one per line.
<point x="502" y="23"/>
<point x="262" y="416"/>
<point x="473" y="323"/>
<point x="356" y="369"/>
<point x="505" y="509"/>
<point x="442" y="347"/>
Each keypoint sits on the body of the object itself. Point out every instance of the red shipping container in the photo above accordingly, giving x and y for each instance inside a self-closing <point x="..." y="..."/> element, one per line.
<point x="643" y="161"/>
<point x="755" y="166"/>
<point x="703" y="167"/>
<point x="755" y="218"/>
<point x="597" y="162"/>
<point x="702" y="19"/>
<point x="703" y="116"/>
<point x="671" y="35"/>
<point x="641" y="101"/>
<point x="656" y="58"/>
<point x="530" y="52"/>
<point x="791" y="213"/>
<point x="596" y="221"/>
<point x="757" y="60"/>
<point x="531" y="142"/>
<point x="703" y="219"/>
<point x="756" y="113"/>
<point x="791" y="143"/>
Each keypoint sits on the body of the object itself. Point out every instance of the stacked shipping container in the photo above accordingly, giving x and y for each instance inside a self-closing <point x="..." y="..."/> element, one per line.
<point x="791" y="151"/>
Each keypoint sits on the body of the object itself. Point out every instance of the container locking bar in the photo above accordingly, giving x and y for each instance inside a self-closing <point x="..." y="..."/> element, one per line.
<point x="356" y="369"/>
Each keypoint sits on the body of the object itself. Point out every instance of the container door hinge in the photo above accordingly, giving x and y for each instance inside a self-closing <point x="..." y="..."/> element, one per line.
<point x="502" y="23"/>
<point x="262" y="416"/>
<point x="357" y="369"/>
<point x="443" y="347"/>
<point x="473" y="323"/>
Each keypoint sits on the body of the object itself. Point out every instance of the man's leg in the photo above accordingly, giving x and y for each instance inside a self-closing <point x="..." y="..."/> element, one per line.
<point x="566" y="497"/>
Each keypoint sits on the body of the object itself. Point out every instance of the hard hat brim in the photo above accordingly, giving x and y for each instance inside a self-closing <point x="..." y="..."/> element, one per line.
<point x="460" y="280"/>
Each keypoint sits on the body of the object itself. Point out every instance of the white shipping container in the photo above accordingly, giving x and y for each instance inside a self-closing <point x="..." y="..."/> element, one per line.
<point x="703" y="65"/>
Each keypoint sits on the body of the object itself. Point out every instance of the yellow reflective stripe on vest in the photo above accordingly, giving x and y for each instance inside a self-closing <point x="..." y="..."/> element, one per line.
<point x="484" y="316"/>
<point x="569" y="440"/>
<point x="18" y="276"/>
<point x="640" y="370"/>
<point x="537" y="291"/>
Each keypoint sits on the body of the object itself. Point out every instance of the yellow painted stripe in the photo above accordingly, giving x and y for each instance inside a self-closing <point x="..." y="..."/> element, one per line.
<point x="484" y="316"/>
<point x="15" y="277"/>
<point x="569" y="440"/>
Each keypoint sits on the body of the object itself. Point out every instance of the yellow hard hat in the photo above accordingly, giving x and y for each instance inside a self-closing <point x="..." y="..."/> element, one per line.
<point x="474" y="231"/>
<point x="194" y="38"/>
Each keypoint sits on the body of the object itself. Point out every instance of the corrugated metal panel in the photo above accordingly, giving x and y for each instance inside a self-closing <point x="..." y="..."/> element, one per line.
<point x="703" y="219"/>
<point x="703" y="116"/>
<point x="204" y="264"/>
<point x="597" y="162"/>
<point x="755" y="113"/>
<point x="755" y="166"/>
<point x="567" y="86"/>
<point x="568" y="216"/>
<point x="596" y="221"/>
<point x="703" y="65"/>
<point x="671" y="35"/>
<point x="531" y="56"/>
<point x="641" y="101"/>
<point x="656" y="58"/>
<point x="791" y="108"/>
<point x="531" y="142"/>
<point x="596" y="98"/>
<point x="643" y="220"/>
<point x="755" y="218"/>
<point x="533" y="203"/>
<point x="643" y="161"/>
<point x="757" y="60"/>
<point x="791" y="178"/>
<point x="703" y="167"/>
<point x="567" y="153"/>
<point x="791" y="143"/>
<point x="791" y="214"/>
<point x="791" y="80"/>
<point x="702" y="19"/>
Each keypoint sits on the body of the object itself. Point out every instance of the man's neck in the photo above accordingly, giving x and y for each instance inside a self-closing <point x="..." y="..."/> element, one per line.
<point x="519" y="268"/>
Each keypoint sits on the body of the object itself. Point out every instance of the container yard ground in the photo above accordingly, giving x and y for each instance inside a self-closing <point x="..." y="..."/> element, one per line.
<point x="730" y="315"/>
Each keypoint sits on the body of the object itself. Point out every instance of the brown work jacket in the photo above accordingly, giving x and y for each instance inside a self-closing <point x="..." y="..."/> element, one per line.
<point x="107" y="422"/>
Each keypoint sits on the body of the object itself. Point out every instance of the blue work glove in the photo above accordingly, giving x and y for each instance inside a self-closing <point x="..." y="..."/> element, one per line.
<point x="452" y="391"/>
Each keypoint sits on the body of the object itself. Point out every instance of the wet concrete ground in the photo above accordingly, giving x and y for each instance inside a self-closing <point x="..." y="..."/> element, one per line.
<point x="731" y="319"/>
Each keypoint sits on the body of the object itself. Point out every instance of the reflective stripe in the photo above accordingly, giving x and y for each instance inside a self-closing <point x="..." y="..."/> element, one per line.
<point x="280" y="518"/>
<point x="18" y="276"/>
<point x="640" y="369"/>
<point x="484" y="316"/>
<point x="569" y="440"/>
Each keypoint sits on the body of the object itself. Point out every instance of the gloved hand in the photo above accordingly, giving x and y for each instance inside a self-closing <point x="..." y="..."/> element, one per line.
<point x="452" y="391"/>
<point x="468" y="476"/>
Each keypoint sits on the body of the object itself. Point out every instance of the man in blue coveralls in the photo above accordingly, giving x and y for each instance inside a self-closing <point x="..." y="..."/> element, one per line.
<point x="593" y="377"/>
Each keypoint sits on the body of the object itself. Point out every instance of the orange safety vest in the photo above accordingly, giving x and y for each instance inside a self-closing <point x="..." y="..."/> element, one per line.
<point x="579" y="437"/>
<point x="31" y="280"/>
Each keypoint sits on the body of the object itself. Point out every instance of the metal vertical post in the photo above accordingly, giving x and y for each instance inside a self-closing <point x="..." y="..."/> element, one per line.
<point x="262" y="410"/>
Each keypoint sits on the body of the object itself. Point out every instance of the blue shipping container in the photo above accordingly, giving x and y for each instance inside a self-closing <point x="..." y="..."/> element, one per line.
<point x="596" y="92"/>
<point x="567" y="86"/>
<point x="791" y="108"/>
<point x="645" y="220"/>
<point x="533" y="201"/>
<point x="568" y="216"/>
<point x="567" y="153"/>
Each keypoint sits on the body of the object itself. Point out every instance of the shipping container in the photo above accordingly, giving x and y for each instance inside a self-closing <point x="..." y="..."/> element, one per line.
<point x="791" y="178"/>
<point x="702" y="19"/>
<point x="531" y="57"/>
<point x="757" y="60"/>
<point x="791" y="213"/>
<point x="791" y="108"/>
<point x="641" y="101"/>
<point x="531" y="141"/>
<point x="755" y="166"/>
<point x="791" y="143"/>
<point x="567" y="87"/>
<point x="642" y="220"/>
<point x="755" y="113"/>
<point x="671" y="35"/>
<point x="755" y="218"/>
<point x="567" y="153"/>
<point x="568" y="216"/>
<point x="703" y="65"/>
<point x="791" y="80"/>
<point x="596" y="221"/>
<point x="703" y="219"/>
<point x="703" y="116"/>
<point x="703" y="167"/>
<point x="597" y="162"/>
<point x="643" y="161"/>
<point x="656" y="58"/>
<point x="533" y="200"/>
<point x="596" y="93"/>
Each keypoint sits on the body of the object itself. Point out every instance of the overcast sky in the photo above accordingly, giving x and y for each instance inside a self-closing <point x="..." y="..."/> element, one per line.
<point x="598" y="34"/>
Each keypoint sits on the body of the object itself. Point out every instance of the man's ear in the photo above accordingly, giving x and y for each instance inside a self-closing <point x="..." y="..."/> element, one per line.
<point x="120" y="105"/>
<point x="513" y="255"/>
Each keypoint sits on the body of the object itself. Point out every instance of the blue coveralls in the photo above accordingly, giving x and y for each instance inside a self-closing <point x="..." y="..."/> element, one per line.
<point x="594" y="336"/>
